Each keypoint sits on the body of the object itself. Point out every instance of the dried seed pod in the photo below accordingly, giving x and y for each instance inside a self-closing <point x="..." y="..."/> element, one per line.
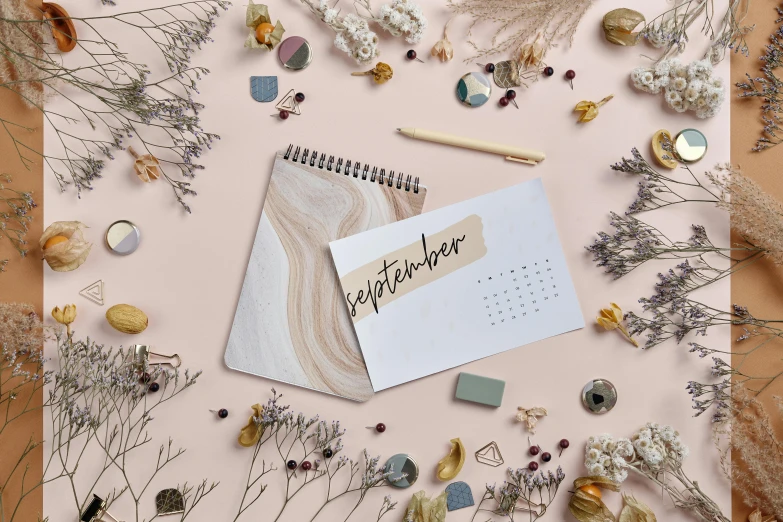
<point x="619" y="25"/>
<point x="64" y="256"/>
<point x="63" y="30"/>
<point x="127" y="319"/>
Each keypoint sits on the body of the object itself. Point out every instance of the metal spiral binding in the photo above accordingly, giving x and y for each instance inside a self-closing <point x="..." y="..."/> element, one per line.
<point x="348" y="168"/>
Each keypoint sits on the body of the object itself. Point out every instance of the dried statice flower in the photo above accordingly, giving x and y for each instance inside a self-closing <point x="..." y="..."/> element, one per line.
<point x="523" y="492"/>
<point x="656" y="453"/>
<point x="692" y="87"/>
<point x="669" y="30"/>
<point x="15" y="220"/>
<point x="125" y="102"/>
<point x="520" y="22"/>
<point x="768" y="88"/>
<point x="21" y="329"/>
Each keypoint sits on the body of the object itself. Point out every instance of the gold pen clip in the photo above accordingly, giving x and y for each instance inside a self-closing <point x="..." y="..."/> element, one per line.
<point x="522" y="160"/>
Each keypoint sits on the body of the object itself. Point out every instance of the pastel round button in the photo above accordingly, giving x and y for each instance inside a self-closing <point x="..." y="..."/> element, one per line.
<point x="690" y="145"/>
<point x="402" y="464"/>
<point x="123" y="237"/>
<point x="599" y="396"/>
<point x="295" y="53"/>
<point x="474" y="89"/>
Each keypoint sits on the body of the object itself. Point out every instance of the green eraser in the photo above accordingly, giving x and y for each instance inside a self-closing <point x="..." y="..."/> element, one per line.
<point x="483" y="390"/>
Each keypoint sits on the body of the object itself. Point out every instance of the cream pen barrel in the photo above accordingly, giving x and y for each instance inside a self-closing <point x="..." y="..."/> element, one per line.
<point x="511" y="152"/>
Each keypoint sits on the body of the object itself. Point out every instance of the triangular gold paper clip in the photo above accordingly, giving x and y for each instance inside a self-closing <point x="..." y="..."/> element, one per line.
<point x="141" y="358"/>
<point x="289" y="103"/>
<point x="94" y="292"/>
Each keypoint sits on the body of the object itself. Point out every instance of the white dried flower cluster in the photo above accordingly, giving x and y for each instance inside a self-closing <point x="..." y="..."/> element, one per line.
<point x="653" y="448"/>
<point x="605" y="457"/>
<point x="403" y="18"/>
<point x="685" y="87"/>
<point x="654" y="443"/>
<point x="354" y="36"/>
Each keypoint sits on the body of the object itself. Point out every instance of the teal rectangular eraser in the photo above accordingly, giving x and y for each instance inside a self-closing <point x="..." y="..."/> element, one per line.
<point x="483" y="390"/>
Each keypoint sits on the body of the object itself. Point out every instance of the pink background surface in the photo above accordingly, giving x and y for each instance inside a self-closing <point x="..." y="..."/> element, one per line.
<point x="188" y="271"/>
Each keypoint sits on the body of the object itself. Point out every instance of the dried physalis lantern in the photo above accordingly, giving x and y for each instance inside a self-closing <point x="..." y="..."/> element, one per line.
<point x="147" y="166"/>
<point x="265" y="35"/>
<point x="63" y="30"/>
<point x="531" y="54"/>
<point x="619" y="25"/>
<point x="64" y="247"/>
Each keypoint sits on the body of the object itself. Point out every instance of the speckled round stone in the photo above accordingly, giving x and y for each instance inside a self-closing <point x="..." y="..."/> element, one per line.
<point x="474" y="89"/>
<point x="402" y="464"/>
<point x="599" y="396"/>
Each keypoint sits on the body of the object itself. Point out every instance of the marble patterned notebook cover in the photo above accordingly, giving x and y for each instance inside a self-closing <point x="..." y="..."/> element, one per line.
<point x="291" y="323"/>
<point x="467" y="281"/>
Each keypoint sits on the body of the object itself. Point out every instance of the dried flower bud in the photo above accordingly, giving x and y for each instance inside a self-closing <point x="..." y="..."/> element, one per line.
<point x="381" y="73"/>
<point x="443" y="50"/>
<point x="147" y="166"/>
<point x="590" y="109"/>
<point x="612" y="319"/>
<point x="67" y="255"/>
<point x="619" y="25"/>
<point x="66" y="315"/>
<point x="531" y="54"/>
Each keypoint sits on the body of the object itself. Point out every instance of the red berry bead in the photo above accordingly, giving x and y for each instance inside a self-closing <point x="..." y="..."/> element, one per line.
<point x="490" y="67"/>
<point x="570" y="74"/>
<point x="411" y="54"/>
<point x="145" y="378"/>
<point x="534" y="450"/>
<point x="283" y="115"/>
<point x="306" y="465"/>
<point x="549" y="71"/>
<point x="154" y="387"/>
<point x="299" y="97"/>
<point x="546" y="456"/>
<point x="222" y="413"/>
<point x="533" y="466"/>
<point x="380" y="427"/>
<point x="291" y="464"/>
<point x="564" y="443"/>
<point x="511" y="94"/>
<point x="503" y="101"/>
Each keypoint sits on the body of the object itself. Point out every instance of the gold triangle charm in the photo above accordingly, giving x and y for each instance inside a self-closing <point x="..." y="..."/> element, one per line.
<point x="289" y="103"/>
<point x="94" y="292"/>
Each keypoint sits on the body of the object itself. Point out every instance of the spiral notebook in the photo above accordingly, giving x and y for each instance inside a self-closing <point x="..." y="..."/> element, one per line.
<point x="456" y="284"/>
<point x="291" y="324"/>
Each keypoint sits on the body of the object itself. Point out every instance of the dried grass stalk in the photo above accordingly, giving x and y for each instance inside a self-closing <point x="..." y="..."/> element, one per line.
<point x="757" y="466"/>
<point x="520" y="22"/>
<point x="756" y="215"/>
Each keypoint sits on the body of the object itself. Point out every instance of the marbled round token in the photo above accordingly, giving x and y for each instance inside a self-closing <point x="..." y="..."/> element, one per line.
<point x="123" y="237"/>
<point x="402" y="464"/>
<point x="295" y="53"/>
<point x="690" y="145"/>
<point x="474" y="89"/>
<point x="599" y="396"/>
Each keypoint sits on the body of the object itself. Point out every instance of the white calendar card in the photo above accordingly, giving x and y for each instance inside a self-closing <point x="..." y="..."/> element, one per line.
<point x="457" y="284"/>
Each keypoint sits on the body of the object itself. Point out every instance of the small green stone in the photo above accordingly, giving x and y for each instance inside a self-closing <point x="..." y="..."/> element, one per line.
<point x="482" y="390"/>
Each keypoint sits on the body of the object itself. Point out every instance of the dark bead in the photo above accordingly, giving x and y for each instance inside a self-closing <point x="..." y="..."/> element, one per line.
<point x="490" y="67"/>
<point x="299" y="97"/>
<point x="504" y="101"/>
<point x="291" y="464"/>
<point x="570" y="75"/>
<point x="222" y="413"/>
<point x="533" y="466"/>
<point x="145" y="378"/>
<point x="154" y="387"/>
<point x="380" y="427"/>
<point x="328" y="453"/>
<point x="411" y="54"/>
<point x="546" y="456"/>
<point x="549" y="71"/>
<point x="511" y="94"/>
<point x="534" y="450"/>
<point x="306" y="465"/>
<point x="283" y="115"/>
<point x="564" y="443"/>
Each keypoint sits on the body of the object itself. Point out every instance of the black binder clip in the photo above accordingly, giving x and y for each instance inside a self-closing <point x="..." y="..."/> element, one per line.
<point x="95" y="511"/>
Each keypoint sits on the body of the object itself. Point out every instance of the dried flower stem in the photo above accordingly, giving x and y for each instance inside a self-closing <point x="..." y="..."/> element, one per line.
<point x="518" y="494"/>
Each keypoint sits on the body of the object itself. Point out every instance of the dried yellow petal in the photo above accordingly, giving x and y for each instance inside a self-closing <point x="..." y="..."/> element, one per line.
<point x="590" y="109"/>
<point x="612" y="319"/>
<point x="450" y="465"/>
<point x="252" y="432"/>
<point x="619" y="25"/>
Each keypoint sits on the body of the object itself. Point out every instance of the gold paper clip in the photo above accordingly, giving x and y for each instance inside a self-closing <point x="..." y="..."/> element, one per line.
<point x="141" y="358"/>
<point x="95" y="511"/>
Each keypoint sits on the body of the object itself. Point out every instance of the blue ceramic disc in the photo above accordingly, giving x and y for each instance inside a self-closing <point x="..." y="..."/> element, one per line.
<point x="474" y="89"/>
